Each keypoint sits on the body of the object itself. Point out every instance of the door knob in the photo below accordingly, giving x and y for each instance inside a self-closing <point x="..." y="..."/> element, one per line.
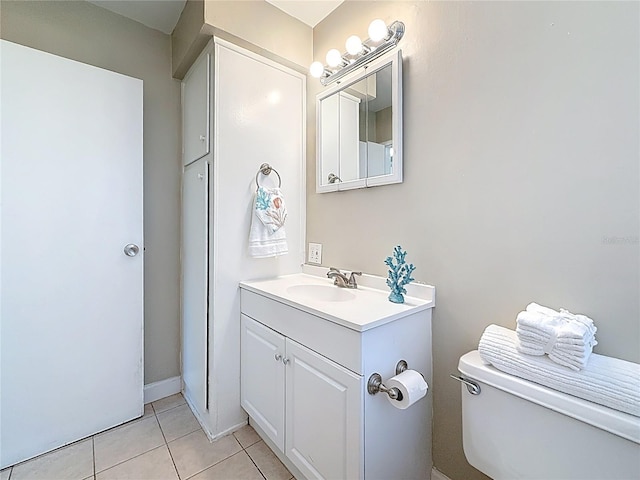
<point x="131" y="250"/>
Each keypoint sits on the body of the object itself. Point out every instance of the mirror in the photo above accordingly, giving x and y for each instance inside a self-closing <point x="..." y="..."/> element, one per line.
<point x="359" y="138"/>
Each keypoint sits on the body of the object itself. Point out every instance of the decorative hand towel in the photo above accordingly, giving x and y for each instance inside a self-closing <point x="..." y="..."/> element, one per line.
<point x="606" y="381"/>
<point x="267" y="237"/>
<point x="568" y="339"/>
<point x="270" y="208"/>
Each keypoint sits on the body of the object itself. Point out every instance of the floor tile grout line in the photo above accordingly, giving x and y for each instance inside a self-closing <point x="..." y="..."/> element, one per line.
<point x="61" y="447"/>
<point x="125" y="461"/>
<point x="167" y="409"/>
<point x="166" y="444"/>
<point x="249" y="446"/>
<point x="131" y="458"/>
<point x="161" y="431"/>
<point x="254" y="463"/>
<point x="220" y="461"/>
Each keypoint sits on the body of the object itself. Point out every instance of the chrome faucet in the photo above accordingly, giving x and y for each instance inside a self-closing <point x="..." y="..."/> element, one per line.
<point x="341" y="280"/>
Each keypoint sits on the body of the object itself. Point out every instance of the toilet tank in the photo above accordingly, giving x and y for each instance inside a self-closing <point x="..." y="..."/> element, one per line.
<point x="516" y="429"/>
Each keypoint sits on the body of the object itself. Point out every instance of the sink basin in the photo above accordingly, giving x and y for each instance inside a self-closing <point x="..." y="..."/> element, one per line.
<point x="323" y="293"/>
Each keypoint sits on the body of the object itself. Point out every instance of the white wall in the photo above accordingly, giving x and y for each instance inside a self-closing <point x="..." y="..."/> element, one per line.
<point x="521" y="151"/>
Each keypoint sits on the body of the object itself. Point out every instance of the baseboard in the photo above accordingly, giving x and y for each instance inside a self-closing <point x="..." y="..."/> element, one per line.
<point x="199" y="416"/>
<point x="438" y="475"/>
<point x="228" y="431"/>
<point x="164" y="388"/>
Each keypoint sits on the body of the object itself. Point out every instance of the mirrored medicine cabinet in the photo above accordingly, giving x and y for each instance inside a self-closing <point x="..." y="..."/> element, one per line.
<point x="359" y="128"/>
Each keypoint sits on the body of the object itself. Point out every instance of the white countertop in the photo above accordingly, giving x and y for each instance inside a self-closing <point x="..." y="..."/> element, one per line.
<point x="369" y="308"/>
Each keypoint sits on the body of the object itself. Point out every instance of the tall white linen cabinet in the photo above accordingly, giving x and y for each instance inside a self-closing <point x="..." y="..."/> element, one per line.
<point x="239" y="110"/>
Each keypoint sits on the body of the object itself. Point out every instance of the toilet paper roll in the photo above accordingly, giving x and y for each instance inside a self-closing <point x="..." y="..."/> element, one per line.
<point x="411" y="385"/>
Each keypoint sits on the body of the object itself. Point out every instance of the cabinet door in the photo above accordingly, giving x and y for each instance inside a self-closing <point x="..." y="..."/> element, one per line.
<point x="262" y="378"/>
<point x="323" y="418"/>
<point x="196" y="88"/>
<point x="195" y="285"/>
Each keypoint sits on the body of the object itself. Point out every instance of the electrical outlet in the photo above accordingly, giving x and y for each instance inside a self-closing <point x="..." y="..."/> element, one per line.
<point x="315" y="253"/>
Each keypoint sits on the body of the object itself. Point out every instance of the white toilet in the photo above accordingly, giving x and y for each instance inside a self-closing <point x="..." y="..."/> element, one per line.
<point x="516" y="429"/>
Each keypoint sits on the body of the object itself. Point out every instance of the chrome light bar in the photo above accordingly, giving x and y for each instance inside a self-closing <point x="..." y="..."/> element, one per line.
<point x="370" y="52"/>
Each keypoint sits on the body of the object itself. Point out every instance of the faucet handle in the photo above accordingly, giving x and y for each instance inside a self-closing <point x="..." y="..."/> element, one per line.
<point x="332" y="270"/>
<point x="352" y="279"/>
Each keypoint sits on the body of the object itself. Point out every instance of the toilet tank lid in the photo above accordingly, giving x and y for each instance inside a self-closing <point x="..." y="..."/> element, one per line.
<point x="619" y="423"/>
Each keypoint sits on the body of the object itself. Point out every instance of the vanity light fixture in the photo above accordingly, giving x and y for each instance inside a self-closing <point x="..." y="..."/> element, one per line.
<point x="382" y="38"/>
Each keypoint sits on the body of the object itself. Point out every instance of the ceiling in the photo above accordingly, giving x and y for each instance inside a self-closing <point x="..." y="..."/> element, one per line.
<point x="159" y="14"/>
<point x="310" y="12"/>
<point x="164" y="14"/>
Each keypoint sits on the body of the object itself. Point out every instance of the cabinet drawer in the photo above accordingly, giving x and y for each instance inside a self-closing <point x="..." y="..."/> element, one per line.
<point x="334" y="341"/>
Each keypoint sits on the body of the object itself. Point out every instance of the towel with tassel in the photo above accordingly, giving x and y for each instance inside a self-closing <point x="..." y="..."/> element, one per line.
<point x="567" y="338"/>
<point x="606" y="381"/>
<point x="267" y="237"/>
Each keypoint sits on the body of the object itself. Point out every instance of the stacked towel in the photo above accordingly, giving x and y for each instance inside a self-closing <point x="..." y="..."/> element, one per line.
<point x="567" y="338"/>
<point x="267" y="237"/>
<point x="606" y="381"/>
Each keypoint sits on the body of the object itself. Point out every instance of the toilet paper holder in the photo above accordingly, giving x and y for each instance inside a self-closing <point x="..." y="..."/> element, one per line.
<point x="375" y="385"/>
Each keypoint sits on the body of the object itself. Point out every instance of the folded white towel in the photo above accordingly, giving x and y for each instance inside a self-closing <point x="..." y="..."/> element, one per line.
<point x="267" y="237"/>
<point x="606" y="381"/>
<point x="569" y="318"/>
<point x="568" y="339"/>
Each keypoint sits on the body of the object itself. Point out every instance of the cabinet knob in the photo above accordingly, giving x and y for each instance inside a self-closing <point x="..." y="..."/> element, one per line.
<point x="278" y="357"/>
<point x="202" y="138"/>
<point x="285" y="360"/>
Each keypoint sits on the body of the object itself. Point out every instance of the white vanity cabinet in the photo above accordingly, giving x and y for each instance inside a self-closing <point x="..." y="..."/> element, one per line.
<point x="309" y="406"/>
<point x="304" y="372"/>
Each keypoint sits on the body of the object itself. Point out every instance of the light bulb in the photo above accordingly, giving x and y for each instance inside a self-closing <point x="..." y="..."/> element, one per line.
<point x="378" y="30"/>
<point x="334" y="57"/>
<point x="316" y="69"/>
<point x="353" y="45"/>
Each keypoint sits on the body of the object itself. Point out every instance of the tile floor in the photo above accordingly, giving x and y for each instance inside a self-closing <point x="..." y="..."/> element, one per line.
<point x="166" y="443"/>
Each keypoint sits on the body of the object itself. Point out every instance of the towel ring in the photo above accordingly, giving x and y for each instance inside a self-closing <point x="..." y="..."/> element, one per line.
<point x="266" y="169"/>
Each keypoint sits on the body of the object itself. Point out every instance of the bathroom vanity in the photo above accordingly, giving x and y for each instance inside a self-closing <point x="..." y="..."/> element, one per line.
<point x="308" y="349"/>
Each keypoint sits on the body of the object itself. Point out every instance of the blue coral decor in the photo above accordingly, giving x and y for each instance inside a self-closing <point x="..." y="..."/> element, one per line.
<point x="399" y="275"/>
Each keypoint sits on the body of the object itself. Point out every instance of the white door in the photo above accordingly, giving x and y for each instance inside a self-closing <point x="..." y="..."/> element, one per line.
<point x="323" y="416"/>
<point x="262" y="377"/>
<point x="71" y="300"/>
<point x="195" y="285"/>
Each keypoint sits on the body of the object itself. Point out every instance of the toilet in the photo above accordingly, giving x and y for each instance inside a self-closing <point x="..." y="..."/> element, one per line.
<point x="516" y="429"/>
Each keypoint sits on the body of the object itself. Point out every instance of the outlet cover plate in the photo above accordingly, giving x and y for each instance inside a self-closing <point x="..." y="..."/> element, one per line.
<point x="315" y="253"/>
